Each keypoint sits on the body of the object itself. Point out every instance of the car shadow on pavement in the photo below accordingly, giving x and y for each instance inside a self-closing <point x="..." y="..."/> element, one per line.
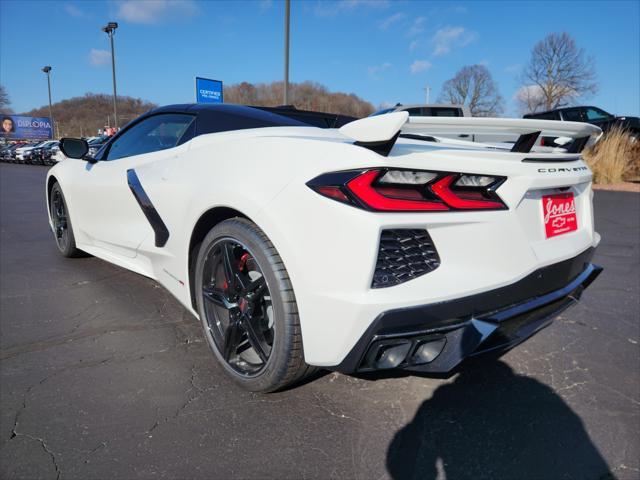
<point x="493" y="423"/>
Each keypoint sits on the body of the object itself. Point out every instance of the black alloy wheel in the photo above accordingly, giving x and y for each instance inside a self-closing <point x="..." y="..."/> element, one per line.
<point x="61" y="223"/>
<point x="247" y="307"/>
<point x="59" y="218"/>
<point x="238" y="308"/>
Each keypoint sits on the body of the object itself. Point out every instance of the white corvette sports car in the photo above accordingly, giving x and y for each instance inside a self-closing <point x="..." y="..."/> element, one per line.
<point x="374" y="246"/>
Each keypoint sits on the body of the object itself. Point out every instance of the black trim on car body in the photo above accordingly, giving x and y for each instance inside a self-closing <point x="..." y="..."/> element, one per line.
<point x="423" y="138"/>
<point x="509" y="314"/>
<point x="578" y="144"/>
<point x="159" y="228"/>
<point x="382" y="147"/>
<point x="572" y="158"/>
<point x="525" y="142"/>
<point x="316" y="119"/>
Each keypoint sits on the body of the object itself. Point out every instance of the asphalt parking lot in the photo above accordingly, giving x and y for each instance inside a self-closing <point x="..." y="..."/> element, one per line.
<point x="104" y="375"/>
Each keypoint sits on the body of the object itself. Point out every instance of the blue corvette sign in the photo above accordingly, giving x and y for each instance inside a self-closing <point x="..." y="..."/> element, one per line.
<point x="208" y="91"/>
<point x="21" y="127"/>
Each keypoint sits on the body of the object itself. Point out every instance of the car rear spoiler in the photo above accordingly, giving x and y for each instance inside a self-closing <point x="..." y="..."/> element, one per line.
<point x="380" y="133"/>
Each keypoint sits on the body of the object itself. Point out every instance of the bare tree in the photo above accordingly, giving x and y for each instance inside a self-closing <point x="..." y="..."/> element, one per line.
<point x="529" y="99"/>
<point x="4" y="100"/>
<point x="244" y="93"/>
<point x="558" y="74"/>
<point x="473" y="86"/>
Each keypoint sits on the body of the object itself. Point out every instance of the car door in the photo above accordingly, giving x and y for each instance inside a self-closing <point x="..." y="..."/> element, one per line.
<point x="108" y="206"/>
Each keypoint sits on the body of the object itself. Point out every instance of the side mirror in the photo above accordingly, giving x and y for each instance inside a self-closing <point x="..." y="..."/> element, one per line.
<point x="75" y="148"/>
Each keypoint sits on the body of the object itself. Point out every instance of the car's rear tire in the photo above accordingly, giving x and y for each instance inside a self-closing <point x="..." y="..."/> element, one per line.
<point x="248" y="308"/>
<point x="62" y="228"/>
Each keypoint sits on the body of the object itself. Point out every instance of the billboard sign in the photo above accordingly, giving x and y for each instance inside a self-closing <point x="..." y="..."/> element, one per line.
<point x="21" y="127"/>
<point x="208" y="91"/>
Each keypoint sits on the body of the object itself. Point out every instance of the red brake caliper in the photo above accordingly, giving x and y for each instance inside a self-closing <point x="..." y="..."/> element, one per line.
<point x="243" y="261"/>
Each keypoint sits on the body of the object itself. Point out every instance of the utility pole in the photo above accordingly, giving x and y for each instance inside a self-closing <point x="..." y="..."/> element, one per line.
<point x="427" y="91"/>
<point x="110" y="29"/>
<point x="287" y="9"/>
<point x="47" y="70"/>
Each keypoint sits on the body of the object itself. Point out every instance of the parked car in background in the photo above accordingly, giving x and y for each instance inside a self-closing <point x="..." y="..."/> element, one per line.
<point x="9" y="154"/>
<point x="4" y="150"/>
<point x="22" y="152"/>
<point x="36" y="155"/>
<point x="589" y="114"/>
<point x="47" y="152"/>
<point x="448" y="110"/>
<point x="429" y="110"/>
<point x="96" y="143"/>
<point x="29" y="154"/>
<point x="32" y="154"/>
<point x="56" y="154"/>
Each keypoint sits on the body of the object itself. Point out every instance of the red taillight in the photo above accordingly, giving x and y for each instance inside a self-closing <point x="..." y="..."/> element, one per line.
<point x="397" y="190"/>
<point x="333" y="192"/>
<point x="362" y="187"/>
<point x="456" y="199"/>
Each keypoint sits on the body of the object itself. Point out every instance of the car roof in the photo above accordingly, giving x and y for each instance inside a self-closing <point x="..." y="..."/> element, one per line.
<point x="196" y="108"/>
<point x="563" y="109"/>
<point x="227" y="116"/>
<point x="209" y="108"/>
<point x="215" y="118"/>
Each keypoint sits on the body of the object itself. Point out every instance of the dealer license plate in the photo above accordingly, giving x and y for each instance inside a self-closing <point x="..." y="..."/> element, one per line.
<point x="559" y="213"/>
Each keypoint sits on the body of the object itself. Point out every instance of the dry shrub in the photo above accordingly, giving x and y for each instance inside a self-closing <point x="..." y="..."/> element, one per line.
<point x="614" y="158"/>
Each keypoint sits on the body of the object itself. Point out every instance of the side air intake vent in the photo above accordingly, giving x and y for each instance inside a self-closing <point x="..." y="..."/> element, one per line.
<point x="404" y="254"/>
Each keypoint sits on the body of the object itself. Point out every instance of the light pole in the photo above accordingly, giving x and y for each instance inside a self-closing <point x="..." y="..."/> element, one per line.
<point x="427" y="91"/>
<point x="287" y="9"/>
<point x="47" y="70"/>
<point x="110" y="29"/>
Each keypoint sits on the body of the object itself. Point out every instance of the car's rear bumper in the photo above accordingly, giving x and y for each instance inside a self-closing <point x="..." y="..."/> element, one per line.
<point x="437" y="337"/>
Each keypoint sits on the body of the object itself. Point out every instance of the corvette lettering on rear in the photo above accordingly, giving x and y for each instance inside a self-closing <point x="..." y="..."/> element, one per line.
<point x="562" y="170"/>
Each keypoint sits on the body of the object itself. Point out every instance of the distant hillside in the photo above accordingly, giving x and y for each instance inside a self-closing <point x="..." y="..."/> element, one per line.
<point x="85" y="115"/>
<point x="306" y="96"/>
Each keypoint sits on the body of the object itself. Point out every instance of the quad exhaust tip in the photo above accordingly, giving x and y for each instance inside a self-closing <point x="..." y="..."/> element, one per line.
<point x="387" y="354"/>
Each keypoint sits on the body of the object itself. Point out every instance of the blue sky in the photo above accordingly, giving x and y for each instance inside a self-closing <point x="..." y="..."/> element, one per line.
<point x="384" y="51"/>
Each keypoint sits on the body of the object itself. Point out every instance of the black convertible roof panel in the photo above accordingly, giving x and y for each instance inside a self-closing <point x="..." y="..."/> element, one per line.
<point x="225" y="117"/>
<point x="317" y="119"/>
